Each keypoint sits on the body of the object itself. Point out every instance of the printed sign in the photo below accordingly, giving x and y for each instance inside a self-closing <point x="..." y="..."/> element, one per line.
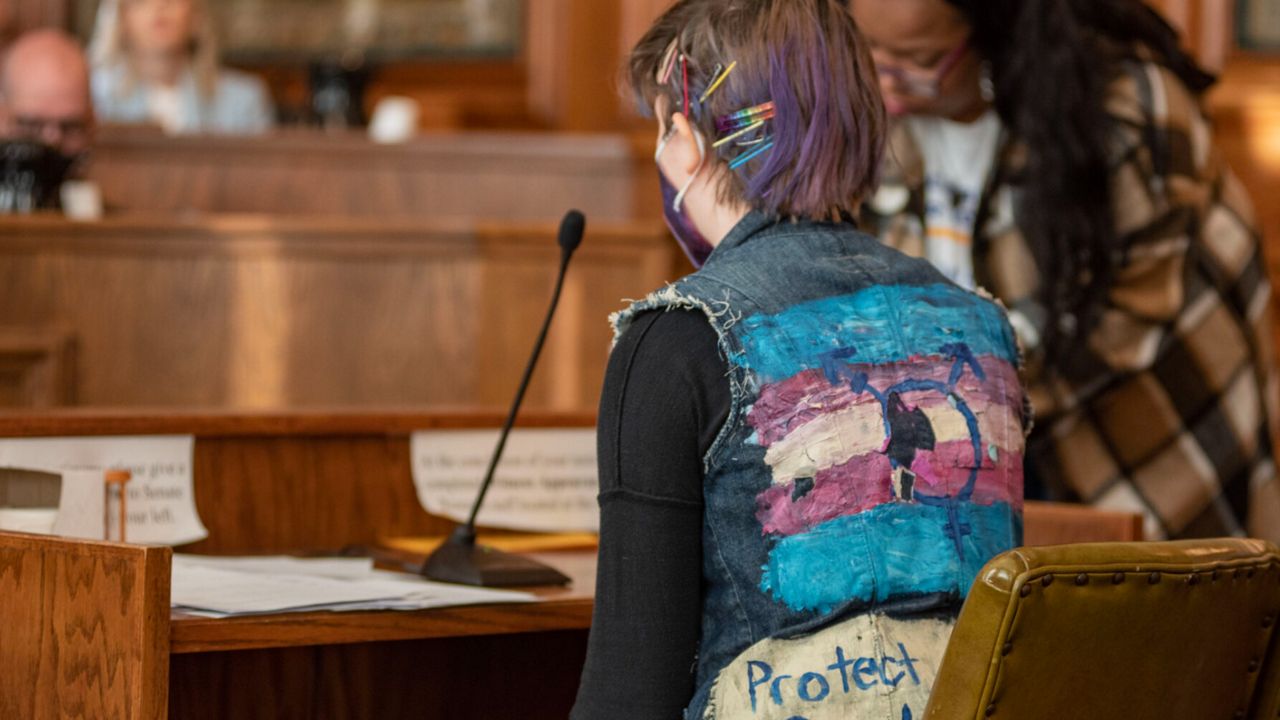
<point x="161" y="505"/>
<point x="546" y="481"/>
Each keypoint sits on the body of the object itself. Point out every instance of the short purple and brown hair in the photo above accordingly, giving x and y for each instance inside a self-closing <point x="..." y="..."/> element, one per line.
<point x="817" y="152"/>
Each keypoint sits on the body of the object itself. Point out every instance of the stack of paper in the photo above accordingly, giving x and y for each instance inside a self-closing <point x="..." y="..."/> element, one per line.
<point x="233" y="586"/>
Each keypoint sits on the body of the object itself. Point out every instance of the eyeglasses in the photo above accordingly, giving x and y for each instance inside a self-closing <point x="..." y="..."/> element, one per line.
<point x="41" y="128"/>
<point x="926" y="83"/>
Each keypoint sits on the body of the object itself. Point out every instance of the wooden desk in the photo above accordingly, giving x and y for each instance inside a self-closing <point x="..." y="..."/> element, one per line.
<point x="91" y="631"/>
<point x="259" y="312"/>
<point x="500" y="661"/>
<point x="86" y="629"/>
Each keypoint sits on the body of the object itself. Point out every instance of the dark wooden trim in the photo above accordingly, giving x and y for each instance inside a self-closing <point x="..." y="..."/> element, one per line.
<point x="294" y="423"/>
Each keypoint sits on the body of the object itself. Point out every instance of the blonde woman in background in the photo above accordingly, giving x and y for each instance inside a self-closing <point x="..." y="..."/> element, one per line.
<point x="156" y="61"/>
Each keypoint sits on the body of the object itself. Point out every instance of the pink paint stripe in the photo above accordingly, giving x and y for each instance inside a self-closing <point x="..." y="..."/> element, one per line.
<point x="866" y="482"/>
<point x="786" y="405"/>
<point x="858" y="485"/>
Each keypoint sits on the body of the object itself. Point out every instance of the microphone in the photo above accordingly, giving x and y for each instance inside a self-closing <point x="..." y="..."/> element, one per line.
<point x="459" y="559"/>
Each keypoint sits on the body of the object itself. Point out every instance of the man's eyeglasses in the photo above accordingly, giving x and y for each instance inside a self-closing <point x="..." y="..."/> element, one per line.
<point x="926" y="83"/>
<point x="40" y="128"/>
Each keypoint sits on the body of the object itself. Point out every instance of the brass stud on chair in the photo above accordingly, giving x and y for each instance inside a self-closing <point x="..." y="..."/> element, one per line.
<point x="1117" y="579"/>
<point x="1193" y="579"/>
<point x="1047" y="580"/>
<point x="1008" y="648"/>
<point x="991" y="710"/>
<point x="1026" y="590"/>
<point x="1153" y="578"/>
<point x="1082" y="579"/>
<point x="1253" y="665"/>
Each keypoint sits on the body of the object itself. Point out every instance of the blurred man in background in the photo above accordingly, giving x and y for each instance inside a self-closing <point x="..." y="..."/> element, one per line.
<point x="46" y="124"/>
<point x="44" y="92"/>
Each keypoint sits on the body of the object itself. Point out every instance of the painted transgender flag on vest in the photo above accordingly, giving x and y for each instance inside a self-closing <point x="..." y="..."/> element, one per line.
<point x="892" y="423"/>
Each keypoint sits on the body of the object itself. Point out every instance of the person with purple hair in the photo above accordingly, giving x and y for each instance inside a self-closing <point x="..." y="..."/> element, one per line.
<point x="809" y="446"/>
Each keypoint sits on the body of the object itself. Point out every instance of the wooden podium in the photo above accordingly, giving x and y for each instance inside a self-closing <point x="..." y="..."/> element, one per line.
<point x="86" y="629"/>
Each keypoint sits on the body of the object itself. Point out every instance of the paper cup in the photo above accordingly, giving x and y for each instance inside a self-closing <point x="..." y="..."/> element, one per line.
<point x="395" y="120"/>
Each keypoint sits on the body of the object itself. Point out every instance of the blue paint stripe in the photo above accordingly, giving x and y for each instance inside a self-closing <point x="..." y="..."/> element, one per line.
<point x="888" y="552"/>
<point x="881" y="324"/>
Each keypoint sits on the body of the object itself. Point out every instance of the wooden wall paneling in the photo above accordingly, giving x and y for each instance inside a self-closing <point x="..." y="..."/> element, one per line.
<point x="1245" y="107"/>
<point x="303" y="494"/>
<point x="1058" y="523"/>
<point x="258" y="313"/>
<point x="84" y="629"/>
<point x="381" y="327"/>
<point x="37" y="367"/>
<point x="1207" y="27"/>
<point x="604" y="275"/>
<point x="276" y="684"/>
<point x="574" y="60"/>
<point x="533" y="677"/>
<point x="511" y="176"/>
<point x="24" y="15"/>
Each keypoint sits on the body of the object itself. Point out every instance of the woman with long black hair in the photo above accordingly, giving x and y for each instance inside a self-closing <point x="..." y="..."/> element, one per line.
<point x="1055" y="153"/>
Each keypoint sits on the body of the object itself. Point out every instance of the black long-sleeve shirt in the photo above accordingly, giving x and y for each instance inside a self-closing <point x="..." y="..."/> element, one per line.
<point x="666" y="396"/>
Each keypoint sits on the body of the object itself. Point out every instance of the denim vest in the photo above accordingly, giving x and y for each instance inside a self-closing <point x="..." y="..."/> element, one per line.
<point x="870" y="465"/>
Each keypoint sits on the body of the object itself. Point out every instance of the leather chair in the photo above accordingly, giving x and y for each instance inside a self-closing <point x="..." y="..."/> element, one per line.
<point x="1132" y="631"/>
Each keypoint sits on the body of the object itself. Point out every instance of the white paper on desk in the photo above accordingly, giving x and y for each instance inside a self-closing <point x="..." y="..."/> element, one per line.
<point x="340" y="568"/>
<point x="546" y="481"/>
<point x="161" y="507"/>
<point x="228" y="587"/>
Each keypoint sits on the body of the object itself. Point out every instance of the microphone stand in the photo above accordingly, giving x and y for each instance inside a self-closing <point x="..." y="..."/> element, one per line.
<point x="460" y="560"/>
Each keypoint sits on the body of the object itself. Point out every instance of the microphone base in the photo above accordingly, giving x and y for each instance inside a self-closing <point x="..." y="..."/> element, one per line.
<point x="460" y="560"/>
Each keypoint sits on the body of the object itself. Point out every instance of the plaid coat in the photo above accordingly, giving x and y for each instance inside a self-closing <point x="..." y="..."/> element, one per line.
<point x="1173" y="416"/>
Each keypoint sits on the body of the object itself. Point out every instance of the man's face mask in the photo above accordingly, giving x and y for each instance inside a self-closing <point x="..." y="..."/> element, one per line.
<point x="695" y="246"/>
<point x="31" y="175"/>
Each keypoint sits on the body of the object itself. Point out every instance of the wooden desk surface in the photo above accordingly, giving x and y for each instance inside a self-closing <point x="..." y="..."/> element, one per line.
<point x="567" y="608"/>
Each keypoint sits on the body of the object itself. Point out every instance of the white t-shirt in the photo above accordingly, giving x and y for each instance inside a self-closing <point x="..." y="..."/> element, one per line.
<point x="957" y="161"/>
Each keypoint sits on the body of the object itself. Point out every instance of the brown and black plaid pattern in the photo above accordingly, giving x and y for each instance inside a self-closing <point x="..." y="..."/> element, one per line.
<point x="1169" y="407"/>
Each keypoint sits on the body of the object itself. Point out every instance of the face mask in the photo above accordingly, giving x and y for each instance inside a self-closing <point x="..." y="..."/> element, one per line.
<point x="695" y="246"/>
<point x="31" y="174"/>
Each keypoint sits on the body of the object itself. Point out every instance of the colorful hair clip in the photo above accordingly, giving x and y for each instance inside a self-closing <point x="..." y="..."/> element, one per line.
<point x="742" y="118"/>
<point x="749" y="156"/>
<point x="730" y="138"/>
<point x="668" y="62"/>
<point x="718" y="78"/>
<point x="684" y="70"/>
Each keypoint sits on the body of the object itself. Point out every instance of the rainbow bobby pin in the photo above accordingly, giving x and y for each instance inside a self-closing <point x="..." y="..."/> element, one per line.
<point x="744" y="118"/>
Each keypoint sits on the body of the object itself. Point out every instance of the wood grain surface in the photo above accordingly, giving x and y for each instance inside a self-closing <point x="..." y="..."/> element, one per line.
<point x="84" y="629"/>
<point x="499" y="176"/>
<point x="532" y="676"/>
<point x="256" y="312"/>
